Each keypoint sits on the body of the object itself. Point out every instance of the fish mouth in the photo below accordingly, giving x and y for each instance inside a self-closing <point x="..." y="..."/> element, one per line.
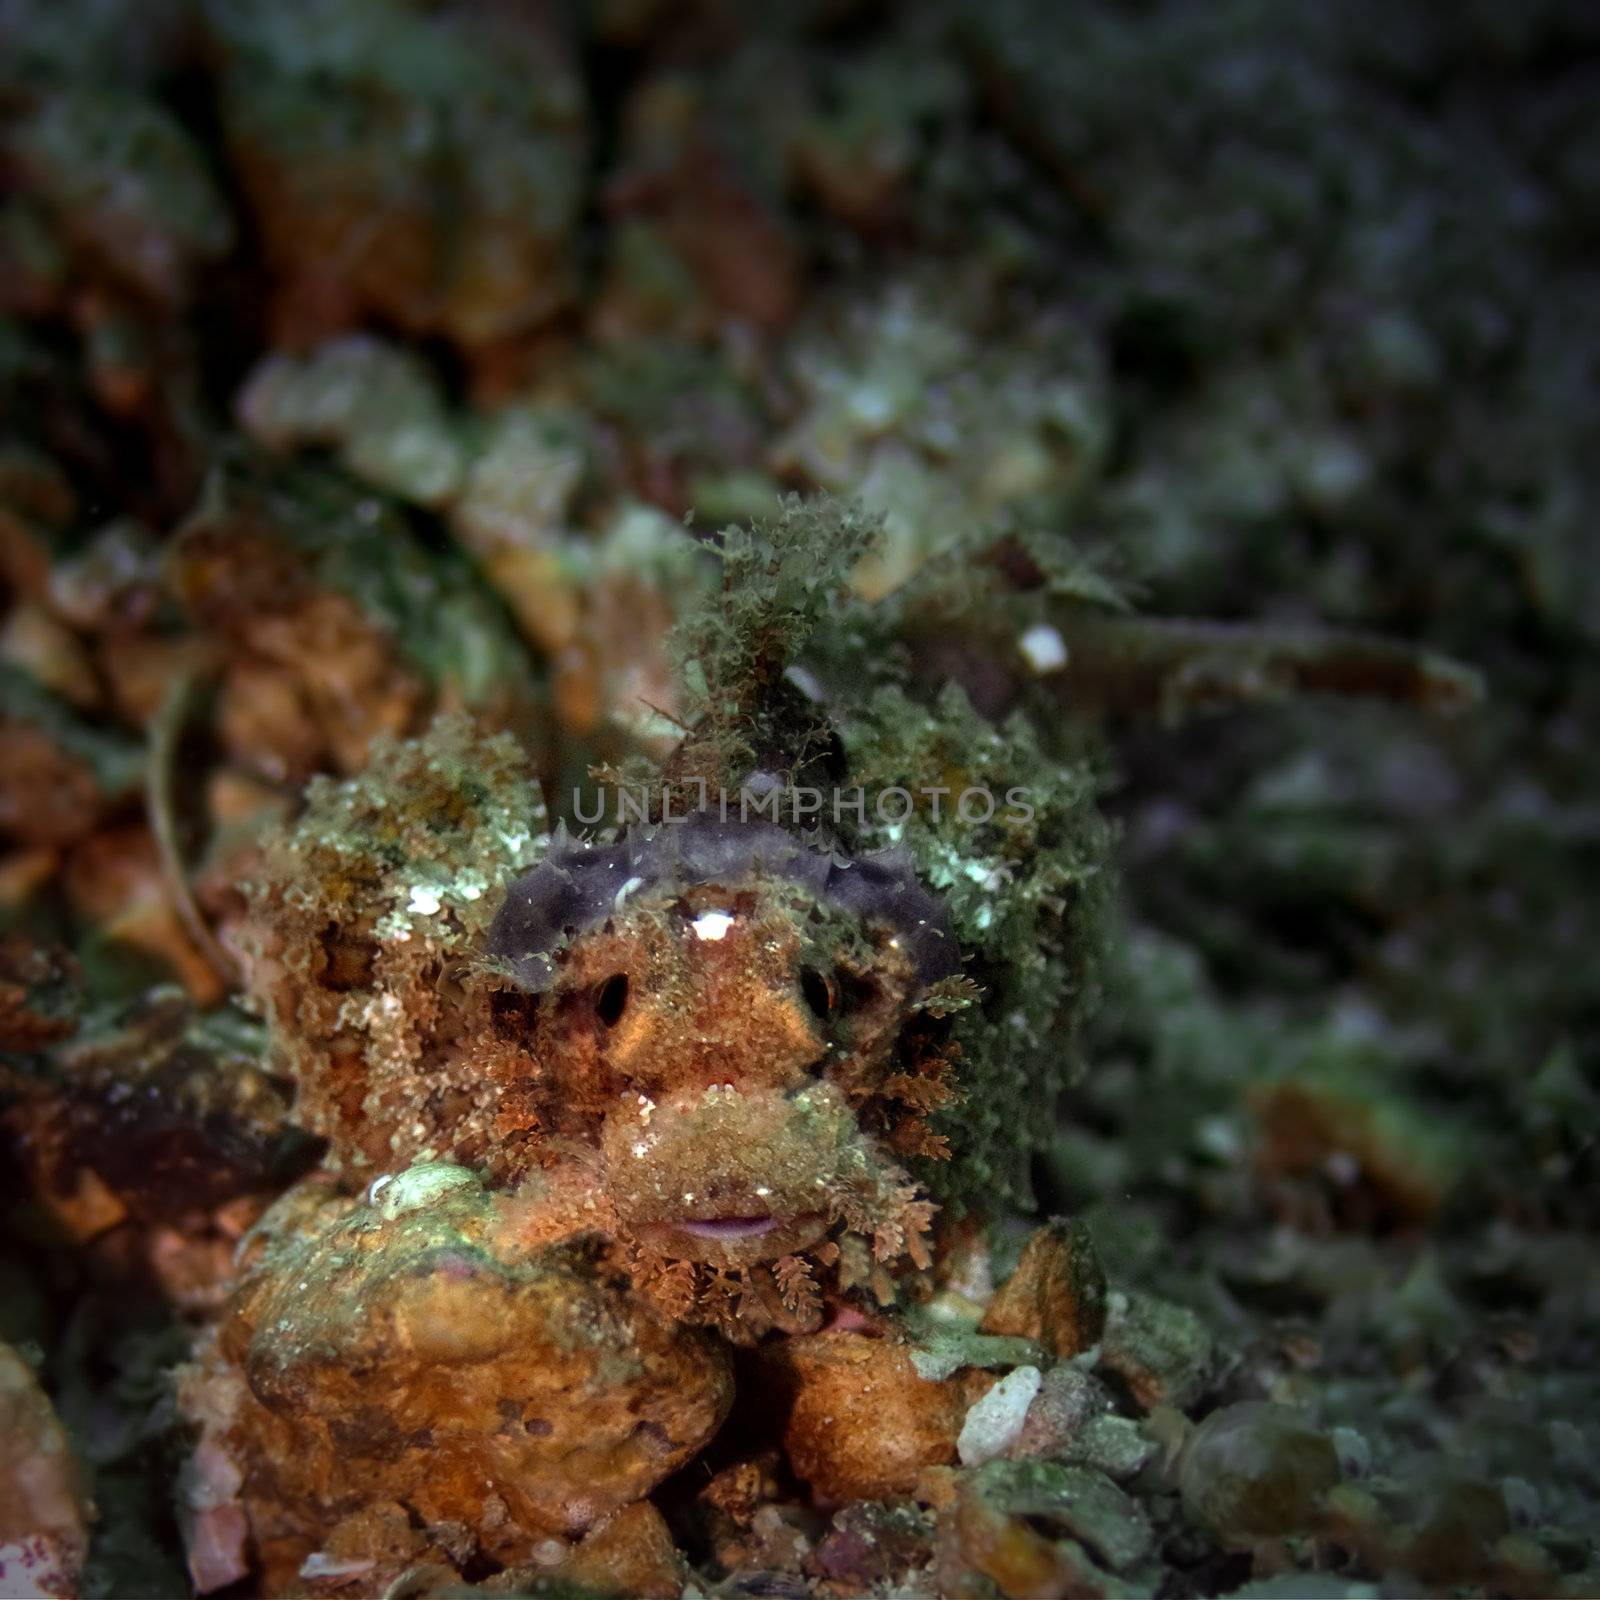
<point x="736" y="1239"/>
<point x="751" y="1227"/>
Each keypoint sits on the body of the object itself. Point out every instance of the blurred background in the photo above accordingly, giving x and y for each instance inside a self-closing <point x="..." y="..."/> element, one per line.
<point x="362" y="358"/>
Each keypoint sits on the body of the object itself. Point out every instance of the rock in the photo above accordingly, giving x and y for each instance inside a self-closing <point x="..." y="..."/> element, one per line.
<point x="436" y="157"/>
<point x="377" y="1357"/>
<point x="871" y="1543"/>
<point x="372" y="402"/>
<point x="1113" y="1445"/>
<point x="1377" y="1164"/>
<point x="1257" y="1471"/>
<point x="1012" y="1525"/>
<point x="44" y="1501"/>
<point x="940" y="1351"/>
<point x="1057" y="1295"/>
<point x="997" y="1418"/>
<point x="165" y="1106"/>
<point x="729" y="1506"/>
<point x="1068" y="1401"/>
<point x="860" y="1424"/>
<point x="1077" y="1501"/>
<point x="40" y="985"/>
<point x="1160" y="1352"/>
<point x="1453" y="1524"/>
<point x="627" y="1556"/>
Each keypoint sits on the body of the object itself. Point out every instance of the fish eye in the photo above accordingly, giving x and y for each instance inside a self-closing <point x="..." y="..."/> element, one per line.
<point x="817" y="990"/>
<point x="611" y="999"/>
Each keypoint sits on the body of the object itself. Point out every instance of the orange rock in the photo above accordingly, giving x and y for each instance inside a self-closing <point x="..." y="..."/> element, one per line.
<point x="683" y="170"/>
<point x="139" y="670"/>
<point x="859" y="1423"/>
<point x="407" y="1350"/>
<point x="80" y="1213"/>
<point x="24" y="554"/>
<point x="1388" y="1176"/>
<point x="1057" y="1295"/>
<point x="23" y="873"/>
<point x="628" y="1556"/>
<point x="33" y="640"/>
<point x="38" y="986"/>
<point x="116" y="882"/>
<point x="309" y="680"/>
<point x="1020" y="1562"/>
<point x="464" y="234"/>
<point x="47" y="797"/>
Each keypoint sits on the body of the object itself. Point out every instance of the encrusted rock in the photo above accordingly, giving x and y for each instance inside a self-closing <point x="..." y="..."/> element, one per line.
<point x="628" y="1555"/>
<point x="166" y="1109"/>
<point x="872" y="1543"/>
<point x="433" y="1358"/>
<point x="1028" y="1528"/>
<point x="1160" y="1352"/>
<point x="859" y="1423"/>
<point x="1068" y="1402"/>
<point x="1116" y="1446"/>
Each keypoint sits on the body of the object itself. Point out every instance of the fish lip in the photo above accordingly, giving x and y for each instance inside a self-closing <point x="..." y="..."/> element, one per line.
<point x="751" y="1226"/>
<point x="736" y="1238"/>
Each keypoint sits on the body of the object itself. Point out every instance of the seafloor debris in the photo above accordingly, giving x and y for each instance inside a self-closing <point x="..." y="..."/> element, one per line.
<point x="1098" y="1102"/>
<point x="420" y="1361"/>
<point x="45" y="1509"/>
<point x="444" y="161"/>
